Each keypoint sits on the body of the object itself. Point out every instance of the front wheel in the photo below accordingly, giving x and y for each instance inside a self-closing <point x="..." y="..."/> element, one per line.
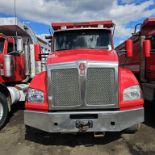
<point x="3" y="110"/>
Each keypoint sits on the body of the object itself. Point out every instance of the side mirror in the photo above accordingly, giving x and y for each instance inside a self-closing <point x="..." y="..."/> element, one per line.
<point x="8" y="63"/>
<point x="146" y="48"/>
<point x="37" y="50"/>
<point x="129" y="48"/>
<point x="19" y="42"/>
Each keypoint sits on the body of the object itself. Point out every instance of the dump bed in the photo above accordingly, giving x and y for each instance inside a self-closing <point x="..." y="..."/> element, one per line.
<point x="9" y="26"/>
<point x="148" y="22"/>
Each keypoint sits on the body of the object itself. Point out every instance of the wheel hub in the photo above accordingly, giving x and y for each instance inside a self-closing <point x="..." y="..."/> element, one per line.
<point x="1" y="111"/>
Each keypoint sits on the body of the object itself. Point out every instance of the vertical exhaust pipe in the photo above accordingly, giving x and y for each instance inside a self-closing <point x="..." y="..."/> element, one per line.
<point x="27" y="61"/>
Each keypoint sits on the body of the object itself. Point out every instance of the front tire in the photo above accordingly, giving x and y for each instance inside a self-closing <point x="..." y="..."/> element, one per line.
<point x="3" y="110"/>
<point x="133" y="129"/>
<point x="31" y="130"/>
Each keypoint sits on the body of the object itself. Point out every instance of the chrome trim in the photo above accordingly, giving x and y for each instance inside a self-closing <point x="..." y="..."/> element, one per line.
<point x="82" y="82"/>
<point x="61" y="122"/>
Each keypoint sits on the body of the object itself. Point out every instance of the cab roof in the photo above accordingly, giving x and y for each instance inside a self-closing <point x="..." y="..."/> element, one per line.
<point x="92" y="24"/>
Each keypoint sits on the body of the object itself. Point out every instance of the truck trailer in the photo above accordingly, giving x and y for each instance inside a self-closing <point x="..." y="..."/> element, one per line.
<point x="84" y="89"/>
<point x="20" y="61"/>
<point x="142" y="63"/>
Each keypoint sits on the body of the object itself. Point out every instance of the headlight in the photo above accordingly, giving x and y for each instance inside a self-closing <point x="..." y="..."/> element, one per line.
<point x="34" y="95"/>
<point x="132" y="93"/>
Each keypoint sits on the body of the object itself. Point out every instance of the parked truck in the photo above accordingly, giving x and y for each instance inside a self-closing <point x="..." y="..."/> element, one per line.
<point x="84" y="89"/>
<point x="20" y="61"/>
<point x="142" y="63"/>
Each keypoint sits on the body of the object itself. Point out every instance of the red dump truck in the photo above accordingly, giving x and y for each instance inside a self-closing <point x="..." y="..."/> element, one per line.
<point x="84" y="89"/>
<point x="142" y="63"/>
<point x="20" y="61"/>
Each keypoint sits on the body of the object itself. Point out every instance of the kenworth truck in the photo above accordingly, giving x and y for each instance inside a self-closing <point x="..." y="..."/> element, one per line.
<point x="142" y="63"/>
<point x="84" y="89"/>
<point x="21" y="53"/>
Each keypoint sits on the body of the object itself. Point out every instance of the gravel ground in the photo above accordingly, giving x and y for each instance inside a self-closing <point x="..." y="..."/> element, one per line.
<point x="14" y="141"/>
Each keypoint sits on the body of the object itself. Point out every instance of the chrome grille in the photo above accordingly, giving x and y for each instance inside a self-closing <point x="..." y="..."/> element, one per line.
<point x="96" y="88"/>
<point x="100" y="86"/>
<point x="65" y="87"/>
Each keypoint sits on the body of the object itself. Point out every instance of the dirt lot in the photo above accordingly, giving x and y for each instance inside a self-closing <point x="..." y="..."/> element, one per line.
<point x="13" y="140"/>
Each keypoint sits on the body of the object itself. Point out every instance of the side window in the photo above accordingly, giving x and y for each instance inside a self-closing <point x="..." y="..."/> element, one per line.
<point x="10" y="47"/>
<point x="153" y="44"/>
<point x="2" y="40"/>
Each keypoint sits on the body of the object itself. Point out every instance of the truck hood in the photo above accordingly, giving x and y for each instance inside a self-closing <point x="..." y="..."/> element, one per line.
<point x="82" y="54"/>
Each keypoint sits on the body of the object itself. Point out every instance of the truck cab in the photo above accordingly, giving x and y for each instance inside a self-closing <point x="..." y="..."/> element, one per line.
<point x="12" y="61"/>
<point x="142" y="62"/>
<point x="84" y="89"/>
<point x="149" y="62"/>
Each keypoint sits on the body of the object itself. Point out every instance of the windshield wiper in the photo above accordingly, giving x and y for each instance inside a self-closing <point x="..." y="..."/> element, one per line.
<point x="104" y="47"/>
<point x="62" y="49"/>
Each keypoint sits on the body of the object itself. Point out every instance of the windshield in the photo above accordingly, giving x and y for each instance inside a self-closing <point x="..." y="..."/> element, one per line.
<point x="1" y="44"/>
<point x="86" y="38"/>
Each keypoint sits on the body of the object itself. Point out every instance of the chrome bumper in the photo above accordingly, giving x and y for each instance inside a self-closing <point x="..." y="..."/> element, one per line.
<point x="92" y="121"/>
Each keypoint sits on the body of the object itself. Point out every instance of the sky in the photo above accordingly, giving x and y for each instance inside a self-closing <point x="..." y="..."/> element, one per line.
<point x="39" y="14"/>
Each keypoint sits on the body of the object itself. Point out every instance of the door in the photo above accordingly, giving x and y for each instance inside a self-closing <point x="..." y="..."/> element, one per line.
<point x="3" y="44"/>
<point x="150" y="62"/>
<point x="19" y="62"/>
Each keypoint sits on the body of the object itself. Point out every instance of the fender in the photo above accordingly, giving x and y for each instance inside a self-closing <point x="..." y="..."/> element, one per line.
<point x="39" y="82"/>
<point x="4" y="90"/>
<point x="127" y="79"/>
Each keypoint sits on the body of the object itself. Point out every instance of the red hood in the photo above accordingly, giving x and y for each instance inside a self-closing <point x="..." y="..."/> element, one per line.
<point x="82" y="54"/>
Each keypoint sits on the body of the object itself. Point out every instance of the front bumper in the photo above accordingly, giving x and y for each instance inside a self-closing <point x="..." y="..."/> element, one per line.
<point x="101" y="121"/>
